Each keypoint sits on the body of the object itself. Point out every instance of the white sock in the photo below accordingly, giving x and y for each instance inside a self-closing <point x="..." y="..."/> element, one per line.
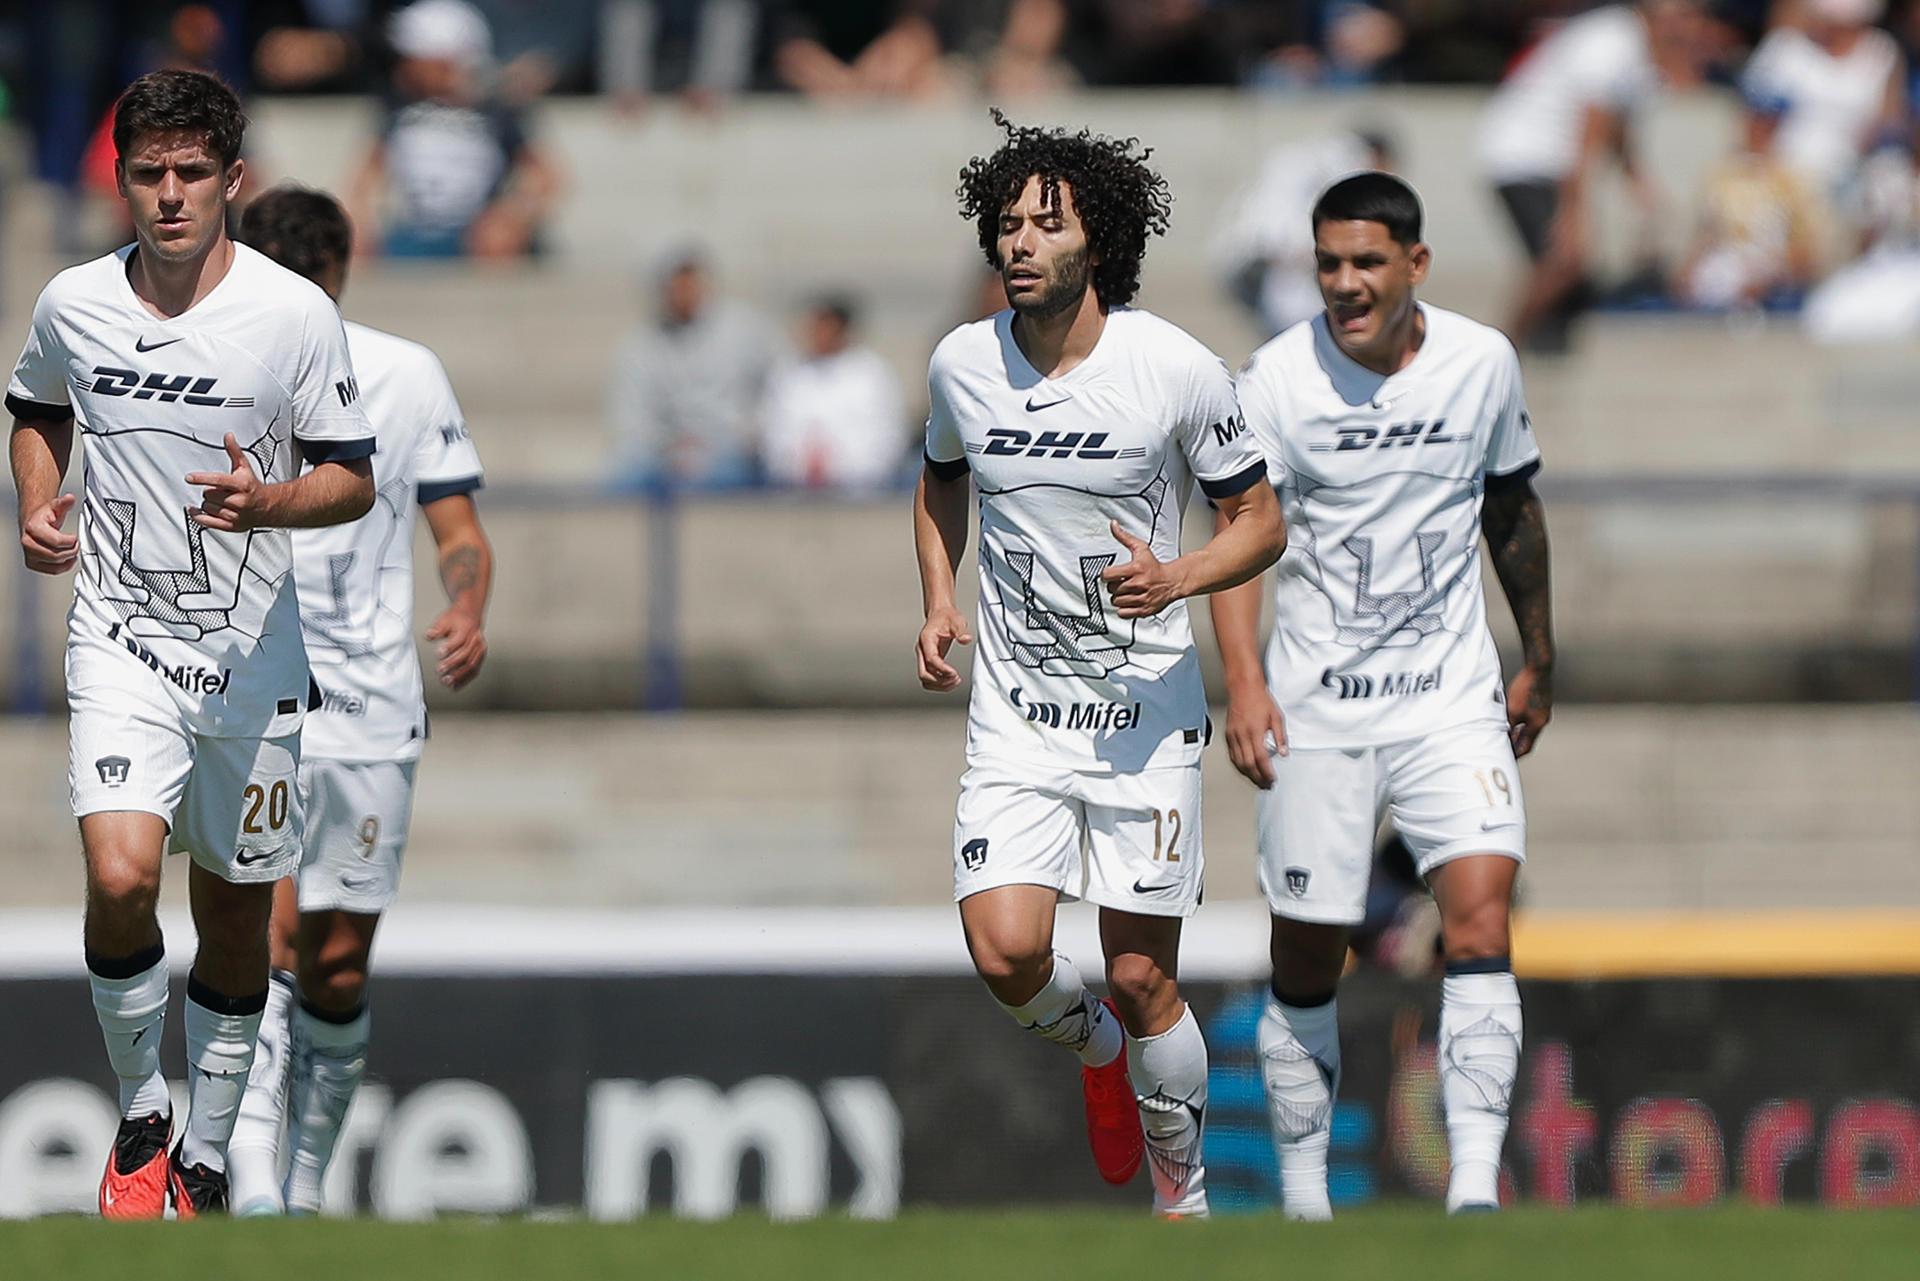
<point x="1065" y="1013"/>
<point x="1300" y="1064"/>
<point x="133" y="1014"/>
<point x="253" y="1153"/>
<point x="220" y="1036"/>
<point x="328" y="1061"/>
<point x="1479" y="1059"/>
<point x="1170" y="1079"/>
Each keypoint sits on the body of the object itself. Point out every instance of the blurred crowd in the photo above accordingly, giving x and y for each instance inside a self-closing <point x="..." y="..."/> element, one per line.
<point x="1814" y="208"/>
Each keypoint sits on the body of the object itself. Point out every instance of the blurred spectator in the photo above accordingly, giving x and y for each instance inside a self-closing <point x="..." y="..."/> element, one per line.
<point x="1840" y="83"/>
<point x="1759" y="229"/>
<point x="1264" y="248"/>
<point x="835" y="417"/>
<point x="702" y="49"/>
<point x="307" y="46"/>
<point x="1876" y="298"/>
<point x="1142" y="43"/>
<point x="859" y="48"/>
<point x="453" y="168"/>
<point x="687" y="385"/>
<point x="1565" y="109"/>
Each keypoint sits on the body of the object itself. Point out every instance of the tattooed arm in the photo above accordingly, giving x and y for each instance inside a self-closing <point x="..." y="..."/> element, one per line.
<point x="1515" y="524"/>
<point x="466" y="571"/>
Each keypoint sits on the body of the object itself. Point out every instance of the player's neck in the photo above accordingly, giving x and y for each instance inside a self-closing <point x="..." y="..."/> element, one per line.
<point x="1397" y="347"/>
<point x="1056" y="345"/>
<point x="169" y="288"/>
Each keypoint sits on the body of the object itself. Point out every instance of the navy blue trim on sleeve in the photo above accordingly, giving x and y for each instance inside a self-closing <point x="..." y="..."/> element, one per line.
<point x="1238" y="483"/>
<point x="433" y="491"/>
<point x="953" y="469"/>
<point x="1514" y="479"/>
<point x="35" y="411"/>
<point x="334" y="451"/>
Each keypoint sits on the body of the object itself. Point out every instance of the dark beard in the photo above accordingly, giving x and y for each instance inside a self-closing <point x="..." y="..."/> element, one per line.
<point x="1066" y="285"/>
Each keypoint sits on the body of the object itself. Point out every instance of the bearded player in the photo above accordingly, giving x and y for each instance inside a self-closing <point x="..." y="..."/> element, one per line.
<point x="1082" y="423"/>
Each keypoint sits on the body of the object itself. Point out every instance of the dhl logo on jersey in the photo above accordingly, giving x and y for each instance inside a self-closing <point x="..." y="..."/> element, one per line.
<point x="190" y="389"/>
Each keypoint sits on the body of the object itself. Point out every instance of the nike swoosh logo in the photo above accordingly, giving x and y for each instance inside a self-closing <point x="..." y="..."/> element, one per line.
<point x="1139" y="888"/>
<point x="258" y="856"/>
<point x="1048" y="404"/>
<point x="1496" y="827"/>
<point x="140" y="344"/>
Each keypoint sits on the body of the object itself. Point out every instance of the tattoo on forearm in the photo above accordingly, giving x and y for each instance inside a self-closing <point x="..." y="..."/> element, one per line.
<point x="1517" y="538"/>
<point x="460" y="571"/>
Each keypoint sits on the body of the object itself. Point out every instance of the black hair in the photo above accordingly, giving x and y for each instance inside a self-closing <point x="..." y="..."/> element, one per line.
<point x="1372" y="197"/>
<point x="304" y="230"/>
<point x="191" y="101"/>
<point x="1119" y="199"/>
<point x="841" y="307"/>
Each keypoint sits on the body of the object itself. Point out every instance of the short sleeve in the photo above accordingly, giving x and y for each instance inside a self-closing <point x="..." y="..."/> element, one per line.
<point x="328" y="421"/>
<point x="38" y="390"/>
<point x="1211" y="432"/>
<point x="446" y="463"/>
<point x="945" y="449"/>
<point x="1260" y="407"/>
<point x="1511" y="449"/>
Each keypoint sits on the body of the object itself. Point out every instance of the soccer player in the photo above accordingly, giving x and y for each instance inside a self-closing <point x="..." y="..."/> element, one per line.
<point x="361" y="747"/>
<point x="199" y="373"/>
<point x="1398" y="434"/>
<point x="1083" y="424"/>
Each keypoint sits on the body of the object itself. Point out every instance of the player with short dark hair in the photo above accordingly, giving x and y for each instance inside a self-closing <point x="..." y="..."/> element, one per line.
<point x="1083" y="423"/>
<point x="201" y="374"/>
<point x="362" y="745"/>
<point x="1398" y="436"/>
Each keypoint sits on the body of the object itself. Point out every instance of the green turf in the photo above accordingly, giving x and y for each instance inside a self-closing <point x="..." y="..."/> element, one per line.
<point x="1392" y="1244"/>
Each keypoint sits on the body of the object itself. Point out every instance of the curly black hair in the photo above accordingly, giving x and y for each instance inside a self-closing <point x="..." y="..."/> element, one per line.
<point x="1119" y="199"/>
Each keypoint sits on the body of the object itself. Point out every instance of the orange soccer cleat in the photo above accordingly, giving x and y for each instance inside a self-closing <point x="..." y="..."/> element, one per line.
<point x="135" y="1184"/>
<point x="197" y="1190"/>
<point x="1113" y="1116"/>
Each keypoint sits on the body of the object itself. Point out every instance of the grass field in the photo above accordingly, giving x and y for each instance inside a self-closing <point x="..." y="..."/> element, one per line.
<point x="1392" y="1244"/>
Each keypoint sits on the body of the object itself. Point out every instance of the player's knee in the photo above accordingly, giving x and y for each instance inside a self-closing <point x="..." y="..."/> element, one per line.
<point x="1477" y="932"/>
<point x="1011" y="966"/>
<point x="1307" y="961"/>
<point x="1139" y="986"/>
<point x="122" y="889"/>
<point x="341" y="986"/>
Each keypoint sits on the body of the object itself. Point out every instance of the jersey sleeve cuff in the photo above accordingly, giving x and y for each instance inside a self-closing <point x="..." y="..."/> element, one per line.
<point x="1238" y="483"/>
<point x="334" y="451"/>
<point x="1518" y="476"/>
<point x="947" y="470"/>
<point x="433" y="491"/>
<point x="37" y="410"/>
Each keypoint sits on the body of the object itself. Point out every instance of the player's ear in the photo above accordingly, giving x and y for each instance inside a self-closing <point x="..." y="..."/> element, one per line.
<point x="120" y="176"/>
<point x="1421" y="258"/>
<point x="236" y="175"/>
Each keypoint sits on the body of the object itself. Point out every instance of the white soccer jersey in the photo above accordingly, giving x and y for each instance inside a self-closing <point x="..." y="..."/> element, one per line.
<point x="1381" y="630"/>
<point x="1058" y="678"/>
<point x="210" y="615"/>
<point x="356" y="581"/>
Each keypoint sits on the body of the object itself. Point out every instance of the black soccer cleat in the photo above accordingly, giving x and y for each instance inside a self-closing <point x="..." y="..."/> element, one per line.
<point x="196" y="1190"/>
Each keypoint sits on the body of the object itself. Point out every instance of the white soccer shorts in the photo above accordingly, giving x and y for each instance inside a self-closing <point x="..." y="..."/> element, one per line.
<point x="1124" y="841"/>
<point x="358" y="815"/>
<point x="233" y="804"/>
<point x="1451" y="793"/>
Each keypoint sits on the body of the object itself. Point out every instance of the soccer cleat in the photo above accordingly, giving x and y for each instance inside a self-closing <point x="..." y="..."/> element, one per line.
<point x="196" y="1189"/>
<point x="1113" y="1116"/>
<point x="135" y="1184"/>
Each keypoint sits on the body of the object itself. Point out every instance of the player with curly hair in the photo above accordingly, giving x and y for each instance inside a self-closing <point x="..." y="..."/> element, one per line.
<point x="1083" y="423"/>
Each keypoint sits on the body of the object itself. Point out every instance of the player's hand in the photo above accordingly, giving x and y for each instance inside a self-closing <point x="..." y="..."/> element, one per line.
<point x="462" y="646"/>
<point x="231" y="503"/>
<point x="1529" y="708"/>
<point x="942" y="628"/>
<point x="48" y="548"/>
<point x="1144" y="585"/>
<point x="1256" y="733"/>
